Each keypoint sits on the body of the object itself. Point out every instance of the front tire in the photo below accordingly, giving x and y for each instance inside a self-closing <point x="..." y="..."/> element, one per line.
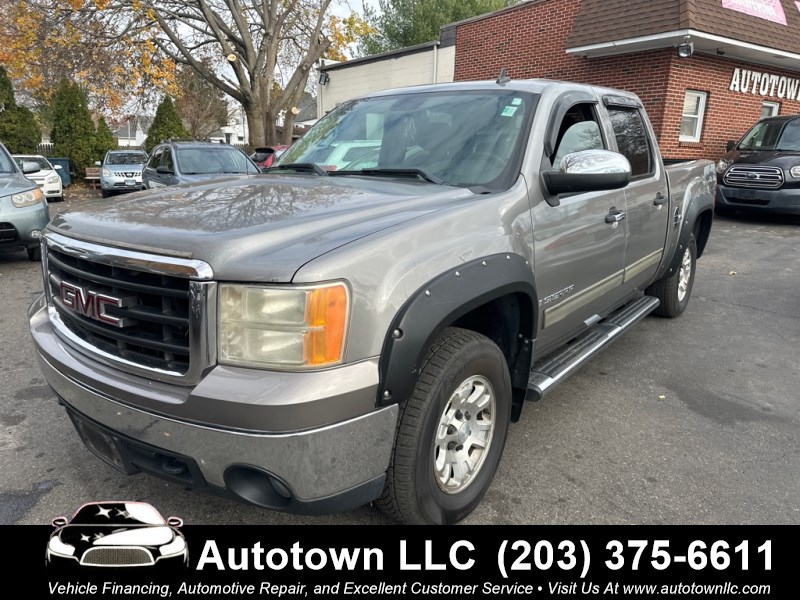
<point x="674" y="291"/>
<point x="451" y="431"/>
<point x="34" y="254"/>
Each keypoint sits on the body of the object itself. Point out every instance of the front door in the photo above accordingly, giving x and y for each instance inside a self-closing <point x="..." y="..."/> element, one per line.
<point x="579" y="256"/>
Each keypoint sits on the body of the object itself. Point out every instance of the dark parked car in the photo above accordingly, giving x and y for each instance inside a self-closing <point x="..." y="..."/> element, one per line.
<point x="761" y="173"/>
<point x="116" y="534"/>
<point x="266" y="156"/>
<point x="121" y="171"/>
<point x="173" y="163"/>
<point x="23" y="206"/>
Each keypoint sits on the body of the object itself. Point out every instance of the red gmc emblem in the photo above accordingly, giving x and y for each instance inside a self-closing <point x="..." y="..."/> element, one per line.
<point x="89" y="303"/>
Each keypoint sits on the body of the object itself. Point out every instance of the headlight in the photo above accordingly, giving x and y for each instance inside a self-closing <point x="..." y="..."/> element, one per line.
<point x="795" y="171"/>
<point x="28" y="198"/>
<point x="176" y="546"/>
<point x="282" y="327"/>
<point x="56" y="546"/>
<point x="52" y="179"/>
<point x="723" y="165"/>
<point x="107" y="173"/>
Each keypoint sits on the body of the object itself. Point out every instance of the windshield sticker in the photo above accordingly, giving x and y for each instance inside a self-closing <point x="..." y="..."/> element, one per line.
<point x="509" y="111"/>
<point x="516" y="101"/>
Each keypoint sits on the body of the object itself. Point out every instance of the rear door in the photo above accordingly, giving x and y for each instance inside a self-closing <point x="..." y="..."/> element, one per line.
<point x="646" y="197"/>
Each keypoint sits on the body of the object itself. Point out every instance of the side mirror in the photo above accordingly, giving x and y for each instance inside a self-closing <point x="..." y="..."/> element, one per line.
<point x="175" y="522"/>
<point x="97" y="163"/>
<point x="164" y="170"/>
<point x="30" y="167"/>
<point x="59" y="522"/>
<point x="587" y="171"/>
<point x="730" y="145"/>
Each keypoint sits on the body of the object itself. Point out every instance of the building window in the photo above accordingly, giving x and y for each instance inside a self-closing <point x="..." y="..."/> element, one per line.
<point x="770" y="109"/>
<point x="694" y="108"/>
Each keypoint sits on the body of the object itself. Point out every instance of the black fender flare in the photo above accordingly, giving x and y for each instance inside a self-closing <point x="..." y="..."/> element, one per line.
<point x="438" y="304"/>
<point x="690" y="220"/>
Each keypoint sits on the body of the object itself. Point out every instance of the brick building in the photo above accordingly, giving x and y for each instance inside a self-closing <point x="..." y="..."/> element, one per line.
<point x="741" y="59"/>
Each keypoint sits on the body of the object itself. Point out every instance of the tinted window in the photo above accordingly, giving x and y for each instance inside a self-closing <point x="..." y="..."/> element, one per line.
<point x="631" y="136"/>
<point x="167" y="160"/>
<point x="155" y="159"/>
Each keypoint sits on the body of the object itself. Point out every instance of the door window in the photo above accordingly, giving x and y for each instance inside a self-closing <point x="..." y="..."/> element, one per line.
<point x="578" y="131"/>
<point x="632" y="139"/>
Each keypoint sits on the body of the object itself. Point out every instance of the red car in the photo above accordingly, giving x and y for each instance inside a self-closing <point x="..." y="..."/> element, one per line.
<point x="265" y="156"/>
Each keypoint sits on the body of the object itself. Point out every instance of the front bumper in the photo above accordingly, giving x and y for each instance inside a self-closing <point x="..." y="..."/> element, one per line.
<point x="121" y="183"/>
<point x="21" y="227"/>
<point x="320" y="469"/>
<point x="781" y="201"/>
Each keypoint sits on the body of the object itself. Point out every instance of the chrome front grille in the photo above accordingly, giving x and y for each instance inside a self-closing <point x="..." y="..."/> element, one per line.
<point x="117" y="557"/>
<point x="137" y="311"/>
<point x="754" y="176"/>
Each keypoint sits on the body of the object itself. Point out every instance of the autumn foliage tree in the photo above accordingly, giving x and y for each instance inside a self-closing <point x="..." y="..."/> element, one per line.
<point x="166" y="124"/>
<point x="94" y="44"/>
<point x="73" y="132"/>
<point x="19" y="130"/>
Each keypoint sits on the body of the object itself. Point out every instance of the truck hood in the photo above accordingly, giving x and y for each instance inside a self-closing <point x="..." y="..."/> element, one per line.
<point x="261" y="228"/>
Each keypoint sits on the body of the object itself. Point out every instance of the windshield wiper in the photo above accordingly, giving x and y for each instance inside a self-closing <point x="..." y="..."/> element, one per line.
<point x="301" y="167"/>
<point x="390" y="172"/>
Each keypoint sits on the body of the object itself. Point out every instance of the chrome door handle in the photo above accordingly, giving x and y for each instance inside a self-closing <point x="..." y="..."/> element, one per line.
<point x="660" y="199"/>
<point x="615" y="216"/>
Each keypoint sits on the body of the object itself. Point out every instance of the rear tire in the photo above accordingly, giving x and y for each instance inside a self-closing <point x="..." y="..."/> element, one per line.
<point x="451" y="431"/>
<point x="674" y="291"/>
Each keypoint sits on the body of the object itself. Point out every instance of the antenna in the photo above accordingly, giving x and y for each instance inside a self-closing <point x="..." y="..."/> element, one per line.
<point x="503" y="78"/>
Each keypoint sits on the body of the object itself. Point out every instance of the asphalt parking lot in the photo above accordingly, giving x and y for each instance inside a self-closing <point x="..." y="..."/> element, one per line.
<point x="686" y="421"/>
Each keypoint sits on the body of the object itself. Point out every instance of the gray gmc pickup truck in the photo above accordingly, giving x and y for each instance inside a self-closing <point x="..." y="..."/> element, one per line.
<point x="323" y="335"/>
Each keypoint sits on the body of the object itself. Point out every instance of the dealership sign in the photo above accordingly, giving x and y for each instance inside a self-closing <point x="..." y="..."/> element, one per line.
<point x="771" y="10"/>
<point x="764" y="84"/>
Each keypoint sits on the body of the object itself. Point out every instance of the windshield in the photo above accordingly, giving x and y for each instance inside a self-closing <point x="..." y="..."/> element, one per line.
<point x="466" y="138"/>
<point x="126" y="158"/>
<point x="213" y="159"/>
<point x="117" y="513"/>
<point x="773" y="135"/>
<point x="39" y="160"/>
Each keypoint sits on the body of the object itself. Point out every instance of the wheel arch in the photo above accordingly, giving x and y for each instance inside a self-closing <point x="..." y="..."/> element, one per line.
<point x="493" y="295"/>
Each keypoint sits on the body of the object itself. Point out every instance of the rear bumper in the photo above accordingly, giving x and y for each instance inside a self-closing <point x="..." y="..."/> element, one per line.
<point x="781" y="201"/>
<point x="322" y="469"/>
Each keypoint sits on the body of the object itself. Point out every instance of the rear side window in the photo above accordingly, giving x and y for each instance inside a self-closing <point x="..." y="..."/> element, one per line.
<point x="632" y="140"/>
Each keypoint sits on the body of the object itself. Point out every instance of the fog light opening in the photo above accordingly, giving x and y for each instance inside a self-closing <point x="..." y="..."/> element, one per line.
<point x="258" y="487"/>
